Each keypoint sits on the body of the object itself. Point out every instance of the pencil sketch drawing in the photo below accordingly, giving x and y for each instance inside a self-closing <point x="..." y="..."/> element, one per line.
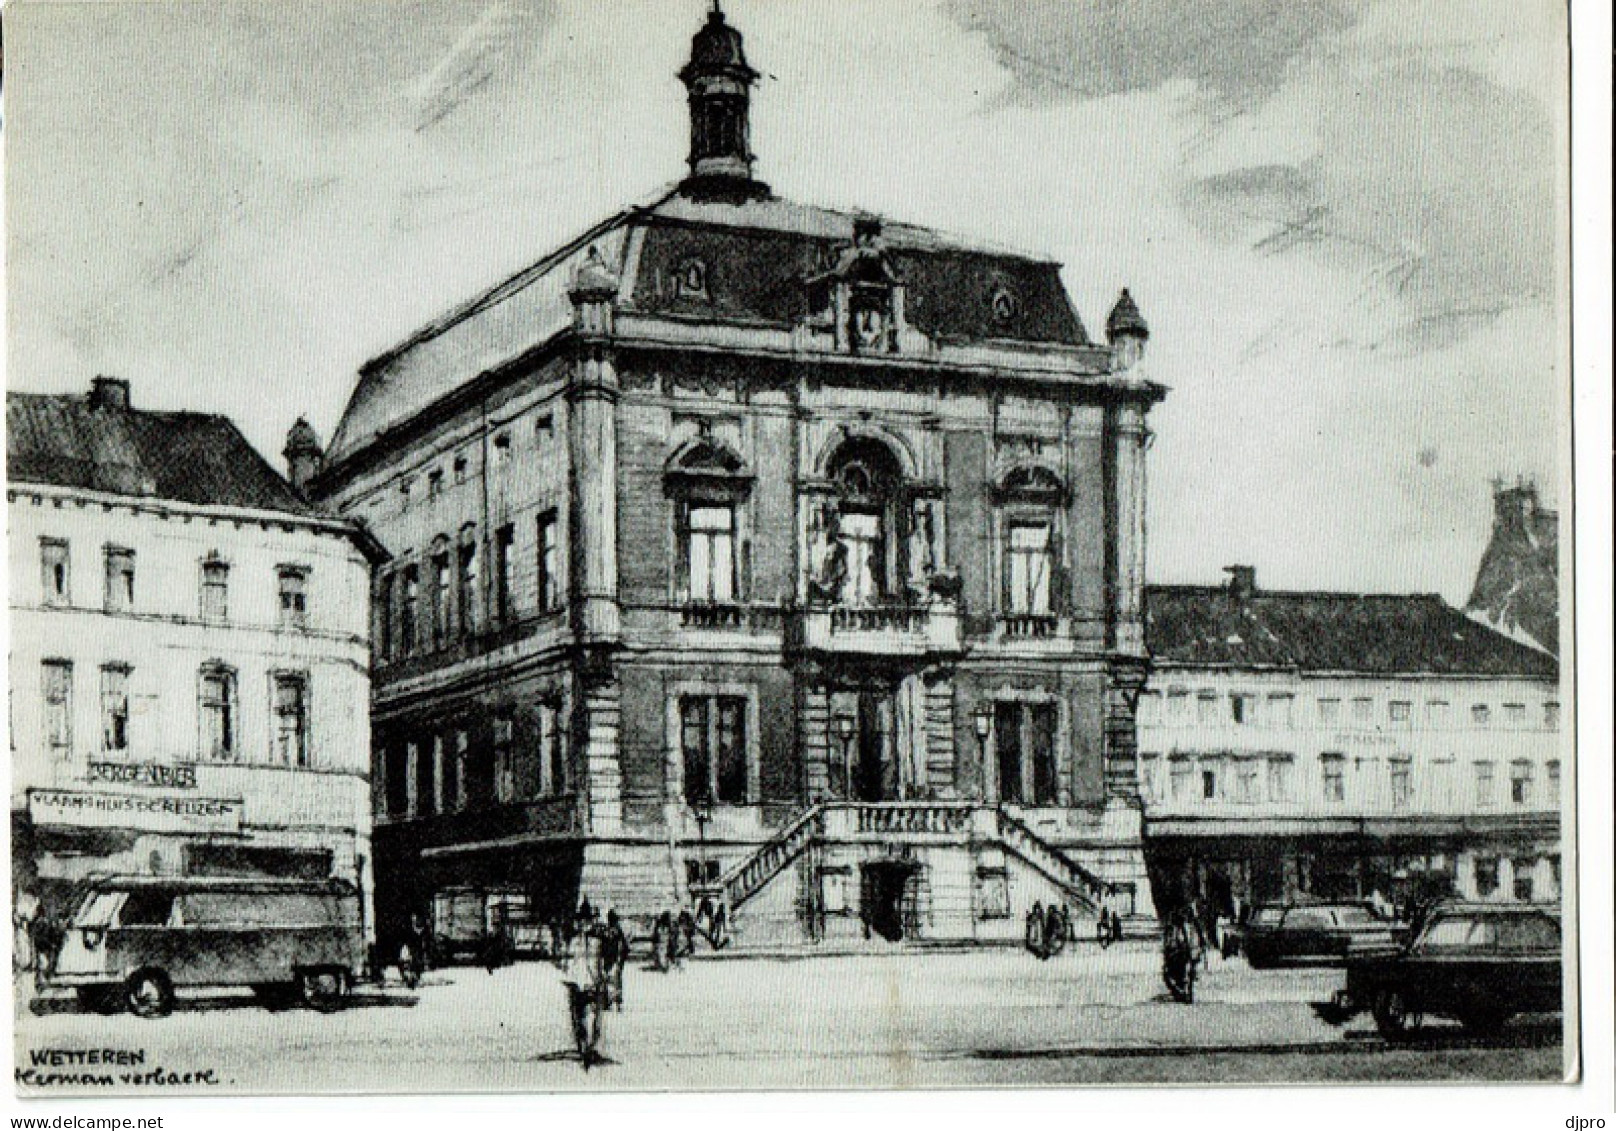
<point x="472" y="633"/>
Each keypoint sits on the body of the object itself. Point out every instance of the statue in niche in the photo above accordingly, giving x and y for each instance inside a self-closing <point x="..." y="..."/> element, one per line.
<point x="828" y="555"/>
<point x="921" y="539"/>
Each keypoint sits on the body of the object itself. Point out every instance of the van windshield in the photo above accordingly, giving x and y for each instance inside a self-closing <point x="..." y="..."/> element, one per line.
<point x="98" y="909"/>
<point x="147" y="908"/>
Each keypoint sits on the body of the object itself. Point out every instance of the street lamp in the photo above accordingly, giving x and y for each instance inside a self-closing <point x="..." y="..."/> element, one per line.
<point x="845" y="726"/>
<point x="983" y="718"/>
<point x="703" y="809"/>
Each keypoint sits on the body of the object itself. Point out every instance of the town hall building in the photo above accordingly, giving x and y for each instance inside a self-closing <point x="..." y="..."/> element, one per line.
<point x="750" y="552"/>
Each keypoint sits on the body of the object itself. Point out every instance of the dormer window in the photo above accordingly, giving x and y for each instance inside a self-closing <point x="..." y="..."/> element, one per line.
<point x="690" y="279"/>
<point x="1004" y="305"/>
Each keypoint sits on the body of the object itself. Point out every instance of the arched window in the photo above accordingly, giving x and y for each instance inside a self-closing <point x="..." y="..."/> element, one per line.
<point x="861" y="534"/>
<point x="218" y="713"/>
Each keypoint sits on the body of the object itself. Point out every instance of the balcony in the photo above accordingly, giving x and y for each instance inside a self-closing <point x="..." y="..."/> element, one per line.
<point x="897" y="629"/>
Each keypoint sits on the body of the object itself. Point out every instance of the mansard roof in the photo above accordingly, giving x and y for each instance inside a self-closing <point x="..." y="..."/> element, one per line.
<point x="1370" y="634"/>
<point x="186" y="457"/>
<point x="756" y="256"/>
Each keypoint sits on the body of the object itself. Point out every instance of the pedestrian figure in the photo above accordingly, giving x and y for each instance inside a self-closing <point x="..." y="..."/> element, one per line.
<point x="687" y="933"/>
<point x="1102" y="929"/>
<point x="613" y="957"/>
<point x="581" y="977"/>
<point x="48" y="936"/>
<point x="1116" y="926"/>
<point x="1035" y="930"/>
<point x="23" y="913"/>
<point x="1055" y="930"/>
<point x="661" y="942"/>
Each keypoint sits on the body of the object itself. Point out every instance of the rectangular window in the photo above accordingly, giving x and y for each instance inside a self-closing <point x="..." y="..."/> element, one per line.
<point x="1280" y="713"/>
<point x="1178" y="704"/>
<point x="120" y="587"/>
<point x="1030" y="567"/>
<point x="1363" y="710"/>
<point x="292" y="583"/>
<point x="1149" y="777"/>
<point x="466" y="588"/>
<point x="1334" y="768"/>
<point x="1551" y="715"/>
<point x="1515" y="716"/>
<point x="442" y="598"/>
<point x="1246" y="781"/>
<point x="1481" y="715"/>
<point x="1279" y="779"/>
<point x="549" y="562"/>
<point x="1484" y="784"/>
<point x="55" y="574"/>
<point x="218" y="711"/>
<point x="1149" y="709"/>
<point x="1400" y="713"/>
<point x="1329" y="711"/>
<point x="428" y="754"/>
<point x="710" y="553"/>
<point x="552" y="752"/>
<point x="115" y="708"/>
<point x="409" y="604"/>
<point x="1401" y="783"/>
<point x="1486" y="876"/>
<point x="434" y="483"/>
<point x="58" y="678"/>
<point x="1524" y="868"/>
<point x="502" y="450"/>
<point x="1209" y="785"/>
<point x="1554" y="779"/>
<point x="712" y="735"/>
<point x="1206" y="707"/>
<point x="1242" y="708"/>
<point x="384" y="616"/>
<point x="1520" y="782"/>
<point x="504" y="542"/>
<point x="1436" y="713"/>
<point x="460" y="469"/>
<point x="396" y="779"/>
<point x="544" y="428"/>
<point x="1179" y="771"/>
<point x="292" y="720"/>
<point x="215" y="603"/>
<point x="455" y="789"/>
<point x="504" y="757"/>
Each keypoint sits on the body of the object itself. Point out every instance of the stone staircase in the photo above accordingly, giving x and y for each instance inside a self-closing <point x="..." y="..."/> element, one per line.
<point x="1083" y="885"/>
<point x="752" y="874"/>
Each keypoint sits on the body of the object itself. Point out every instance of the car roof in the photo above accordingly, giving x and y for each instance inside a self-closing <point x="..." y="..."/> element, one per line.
<point x="243" y="884"/>
<point x="1462" y="908"/>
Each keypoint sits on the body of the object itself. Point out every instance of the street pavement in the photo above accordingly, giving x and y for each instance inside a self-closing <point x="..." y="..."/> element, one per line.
<point x="903" y="1019"/>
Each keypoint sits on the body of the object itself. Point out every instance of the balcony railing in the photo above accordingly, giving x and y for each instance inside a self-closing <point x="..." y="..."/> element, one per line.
<point x="895" y="629"/>
<point x="1029" y="626"/>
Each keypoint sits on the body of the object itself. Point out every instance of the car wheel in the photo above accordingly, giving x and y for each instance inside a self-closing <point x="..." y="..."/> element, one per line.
<point x="149" y="993"/>
<point x="1393" y="1016"/>
<point x="323" y="990"/>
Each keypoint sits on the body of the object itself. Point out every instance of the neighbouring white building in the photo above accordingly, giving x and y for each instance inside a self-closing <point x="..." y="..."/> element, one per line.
<point x="189" y="654"/>
<point x="1342" y="744"/>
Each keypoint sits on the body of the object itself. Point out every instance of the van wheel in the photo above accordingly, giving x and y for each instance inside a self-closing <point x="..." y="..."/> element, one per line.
<point x="149" y="993"/>
<point x="323" y="990"/>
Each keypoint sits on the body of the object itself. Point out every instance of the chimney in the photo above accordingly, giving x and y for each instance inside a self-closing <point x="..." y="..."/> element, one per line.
<point x="1242" y="580"/>
<point x="109" y="392"/>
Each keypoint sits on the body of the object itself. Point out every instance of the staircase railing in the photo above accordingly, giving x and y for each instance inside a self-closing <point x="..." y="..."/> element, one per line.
<point x="1035" y="850"/>
<point x="747" y="878"/>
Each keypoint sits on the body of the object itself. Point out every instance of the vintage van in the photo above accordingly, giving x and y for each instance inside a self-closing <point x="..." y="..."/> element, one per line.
<point x="136" y="939"/>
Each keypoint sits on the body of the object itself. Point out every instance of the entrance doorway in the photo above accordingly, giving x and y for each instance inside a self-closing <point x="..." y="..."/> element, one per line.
<point x="888" y="898"/>
<point x="866" y="766"/>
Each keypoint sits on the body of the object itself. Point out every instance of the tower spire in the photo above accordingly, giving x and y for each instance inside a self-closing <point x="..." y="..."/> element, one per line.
<point x="720" y="82"/>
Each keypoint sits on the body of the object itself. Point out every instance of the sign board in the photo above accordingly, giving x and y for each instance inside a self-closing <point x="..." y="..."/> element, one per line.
<point x="149" y="812"/>
<point x="143" y="773"/>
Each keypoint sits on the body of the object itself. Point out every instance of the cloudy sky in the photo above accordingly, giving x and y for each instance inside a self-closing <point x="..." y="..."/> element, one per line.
<point x="1340" y="217"/>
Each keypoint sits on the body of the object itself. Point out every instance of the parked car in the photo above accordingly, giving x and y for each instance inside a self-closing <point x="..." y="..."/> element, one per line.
<point x="1477" y="963"/>
<point x="1316" y="934"/>
<point x="135" y="939"/>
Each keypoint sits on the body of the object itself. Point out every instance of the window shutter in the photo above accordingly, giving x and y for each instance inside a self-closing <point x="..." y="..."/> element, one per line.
<point x="1059" y="576"/>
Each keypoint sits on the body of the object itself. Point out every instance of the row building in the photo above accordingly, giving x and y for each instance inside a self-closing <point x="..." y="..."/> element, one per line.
<point x="1345" y="745"/>
<point x="189" y="654"/>
<point x="750" y="551"/>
